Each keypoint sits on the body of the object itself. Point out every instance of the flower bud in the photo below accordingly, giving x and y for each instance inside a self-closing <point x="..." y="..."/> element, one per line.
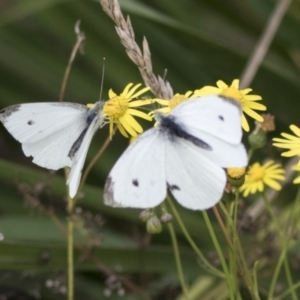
<point x="166" y="217"/>
<point x="236" y="176"/>
<point x="257" y="139"/>
<point x="145" y="215"/>
<point x="154" y="225"/>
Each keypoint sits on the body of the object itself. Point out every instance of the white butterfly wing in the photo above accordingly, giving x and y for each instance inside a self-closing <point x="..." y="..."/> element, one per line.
<point x="196" y="182"/>
<point x="217" y="122"/>
<point x="80" y="156"/>
<point x="47" y="131"/>
<point x="215" y="115"/>
<point x="138" y="178"/>
<point x="223" y="154"/>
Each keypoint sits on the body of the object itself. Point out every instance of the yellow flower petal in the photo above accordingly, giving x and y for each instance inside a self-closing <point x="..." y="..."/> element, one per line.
<point x="207" y="90"/>
<point x="273" y="184"/>
<point x="130" y="121"/>
<point x="127" y="88"/>
<point x="221" y="84"/>
<point x="291" y="153"/>
<point x="296" y="180"/>
<point x="137" y="94"/>
<point x="140" y="114"/>
<point x="253" y="114"/>
<point x="290" y="137"/>
<point x="137" y="103"/>
<point x="246" y="91"/>
<point x="127" y="126"/>
<point x="164" y="110"/>
<point x="253" y="97"/>
<point x="122" y="130"/>
<point x="111" y="94"/>
<point x="235" y="84"/>
<point x="162" y="101"/>
<point x="245" y="124"/>
<point x="254" y="105"/>
<point x="295" y="129"/>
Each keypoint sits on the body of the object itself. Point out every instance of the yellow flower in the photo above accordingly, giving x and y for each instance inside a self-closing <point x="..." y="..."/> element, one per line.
<point x="171" y="103"/>
<point x="119" y="110"/>
<point x="297" y="179"/>
<point x="260" y="175"/>
<point x="248" y="102"/>
<point x="236" y="173"/>
<point x="290" y="142"/>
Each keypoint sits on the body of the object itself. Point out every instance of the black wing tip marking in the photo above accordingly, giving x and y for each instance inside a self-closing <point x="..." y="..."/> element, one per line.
<point x="8" y="112"/>
<point x="173" y="187"/>
<point x="108" y="194"/>
<point x="30" y="122"/>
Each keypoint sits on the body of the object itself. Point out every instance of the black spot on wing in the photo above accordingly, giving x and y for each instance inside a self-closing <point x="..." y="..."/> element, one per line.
<point x="30" y="122"/>
<point x="173" y="187"/>
<point x="169" y="125"/>
<point x="135" y="182"/>
<point x="221" y="118"/>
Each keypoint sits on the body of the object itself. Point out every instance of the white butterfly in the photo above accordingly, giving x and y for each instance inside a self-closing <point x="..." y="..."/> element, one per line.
<point x="55" y="134"/>
<point x="185" y="153"/>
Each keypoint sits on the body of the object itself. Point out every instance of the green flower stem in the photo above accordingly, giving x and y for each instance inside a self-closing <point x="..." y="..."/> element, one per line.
<point x="233" y="271"/>
<point x="220" y="254"/>
<point x="70" y="242"/>
<point x="77" y="46"/>
<point x="294" y="215"/>
<point x="222" y="225"/>
<point x="276" y="273"/>
<point x="255" y="280"/>
<point x="205" y="262"/>
<point x="288" y="291"/>
<point x="250" y="153"/>
<point x="238" y="248"/>
<point x="70" y="249"/>
<point x="283" y="257"/>
<point x="232" y="250"/>
<point x="178" y="260"/>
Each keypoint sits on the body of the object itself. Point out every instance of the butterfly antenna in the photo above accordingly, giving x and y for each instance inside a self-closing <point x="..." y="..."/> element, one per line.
<point x="102" y="78"/>
<point x="165" y="74"/>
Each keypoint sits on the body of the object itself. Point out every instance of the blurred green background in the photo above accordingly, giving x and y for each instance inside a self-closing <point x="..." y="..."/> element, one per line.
<point x="198" y="42"/>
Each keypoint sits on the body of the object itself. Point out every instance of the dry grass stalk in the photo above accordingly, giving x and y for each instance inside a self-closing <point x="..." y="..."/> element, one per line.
<point x="142" y="58"/>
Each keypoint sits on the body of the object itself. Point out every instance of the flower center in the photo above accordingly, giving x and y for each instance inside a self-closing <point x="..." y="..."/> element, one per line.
<point x="116" y="107"/>
<point x="256" y="173"/>
<point x="177" y="99"/>
<point x="233" y="94"/>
